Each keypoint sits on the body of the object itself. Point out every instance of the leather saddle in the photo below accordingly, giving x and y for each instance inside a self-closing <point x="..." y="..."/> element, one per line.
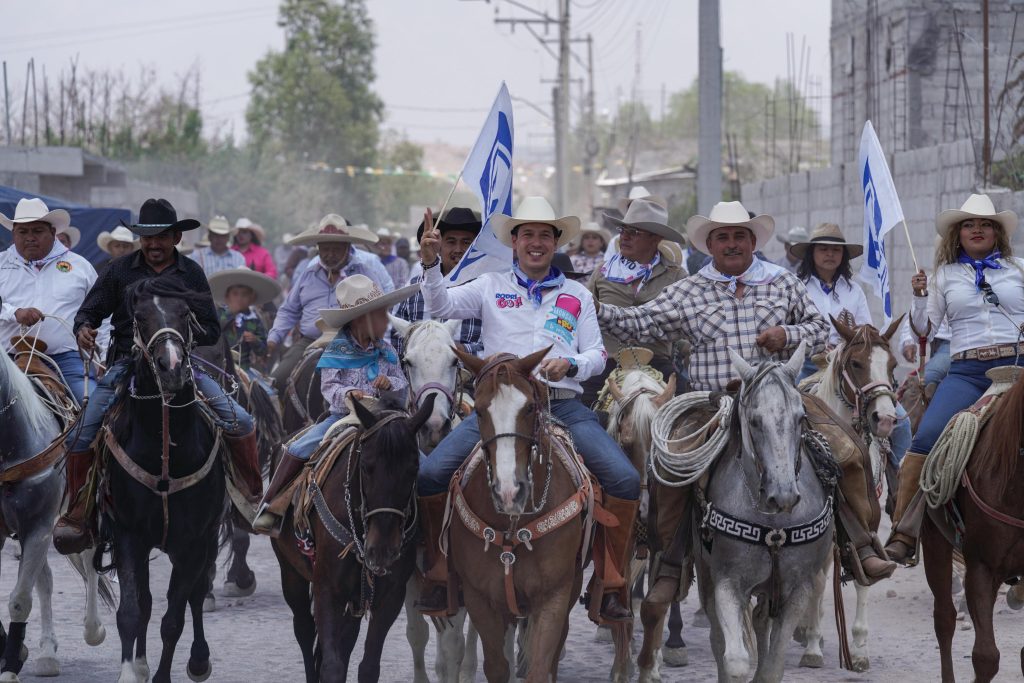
<point x="29" y="356"/>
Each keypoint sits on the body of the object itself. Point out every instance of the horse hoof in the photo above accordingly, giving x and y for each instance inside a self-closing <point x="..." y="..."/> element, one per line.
<point x="233" y="590"/>
<point x="198" y="677"/>
<point x="95" y="636"/>
<point x="141" y="669"/>
<point x="46" y="667"/>
<point x="1015" y="596"/>
<point x="9" y="677"/>
<point x="860" y="664"/>
<point x="603" y="634"/>
<point x="812" y="661"/>
<point x="675" y="656"/>
<point x="209" y="604"/>
<point x="652" y="675"/>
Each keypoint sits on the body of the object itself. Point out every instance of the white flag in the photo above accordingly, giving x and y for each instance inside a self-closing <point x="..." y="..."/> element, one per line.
<point x="882" y="211"/>
<point x="488" y="172"/>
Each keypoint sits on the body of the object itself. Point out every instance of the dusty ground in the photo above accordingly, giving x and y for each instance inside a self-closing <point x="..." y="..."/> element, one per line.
<point x="251" y="638"/>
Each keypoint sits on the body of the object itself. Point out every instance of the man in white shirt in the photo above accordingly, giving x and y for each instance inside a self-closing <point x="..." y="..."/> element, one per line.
<point x="42" y="285"/>
<point x="218" y="256"/>
<point x="523" y="310"/>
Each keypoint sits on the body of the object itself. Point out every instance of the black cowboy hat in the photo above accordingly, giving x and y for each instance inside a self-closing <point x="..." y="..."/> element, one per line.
<point x="455" y="218"/>
<point x="156" y="216"/>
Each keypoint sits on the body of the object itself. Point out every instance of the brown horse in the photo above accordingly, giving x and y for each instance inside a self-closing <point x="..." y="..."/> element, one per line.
<point x="524" y="500"/>
<point x="915" y="396"/>
<point x="990" y="502"/>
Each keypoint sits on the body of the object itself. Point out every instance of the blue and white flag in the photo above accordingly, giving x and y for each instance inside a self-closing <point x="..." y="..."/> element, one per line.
<point x="488" y="173"/>
<point x="882" y="211"/>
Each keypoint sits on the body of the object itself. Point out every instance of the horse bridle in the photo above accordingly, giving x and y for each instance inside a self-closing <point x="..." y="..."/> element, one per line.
<point x="146" y="348"/>
<point x="763" y="370"/>
<point x="862" y="396"/>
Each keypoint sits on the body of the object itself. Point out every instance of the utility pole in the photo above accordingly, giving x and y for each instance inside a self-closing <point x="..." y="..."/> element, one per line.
<point x="591" y="147"/>
<point x="709" y="164"/>
<point x="986" y="149"/>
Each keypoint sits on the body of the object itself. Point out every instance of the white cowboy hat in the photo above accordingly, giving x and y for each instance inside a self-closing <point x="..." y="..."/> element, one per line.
<point x="73" y="233"/>
<point x="266" y="288"/>
<point x="118" y="234"/>
<point x="796" y="235"/>
<point x="333" y="228"/>
<point x="593" y="228"/>
<point x="976" y="206"/>
<point x="246" y="224"/>
<point x="638" y="192"/>
<point x="32" y="210"/>
<point x="219" y="225"/>
<point x="724" y="214"/>
<point x="535" y="210"/>
<point x="384" y="233"/>
<point x="358" y="294"/>
<point x="826" y="233"/>
<point x="650" y="215"/>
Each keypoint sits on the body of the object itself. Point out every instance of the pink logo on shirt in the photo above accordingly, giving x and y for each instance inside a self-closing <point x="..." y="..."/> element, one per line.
<point x="508" y="300"/>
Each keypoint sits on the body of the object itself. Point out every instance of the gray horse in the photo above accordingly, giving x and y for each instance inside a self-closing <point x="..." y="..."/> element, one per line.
<point x="767" y="527"/>
<point x="29" y="508"/>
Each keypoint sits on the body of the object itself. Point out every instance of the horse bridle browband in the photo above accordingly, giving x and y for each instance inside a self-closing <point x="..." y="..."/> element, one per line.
<point x="862" y="396"/>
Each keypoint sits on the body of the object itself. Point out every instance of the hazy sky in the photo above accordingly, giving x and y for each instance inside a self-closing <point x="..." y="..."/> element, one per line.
<point x="439" y="62"/>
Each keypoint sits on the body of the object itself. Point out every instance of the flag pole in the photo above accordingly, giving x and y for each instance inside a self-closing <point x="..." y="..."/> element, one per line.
<point x="913" y="256"/>
<point x="451" y="192"/>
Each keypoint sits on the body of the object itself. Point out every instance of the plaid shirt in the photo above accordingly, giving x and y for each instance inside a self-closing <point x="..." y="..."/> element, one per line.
<point x="212" y="262"/>
<point x="413" y="310"/>
<point x="234" y="326"/>
<point x="714" y="320"/>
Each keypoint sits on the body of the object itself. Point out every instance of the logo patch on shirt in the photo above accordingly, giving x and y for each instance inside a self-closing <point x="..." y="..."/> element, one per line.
<point x="508" y="300"/>
<point x="563" y="318"/>
<point x="64" y="266"/>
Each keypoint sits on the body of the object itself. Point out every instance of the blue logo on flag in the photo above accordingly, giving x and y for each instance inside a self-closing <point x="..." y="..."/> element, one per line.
<point x="875" y="248"/>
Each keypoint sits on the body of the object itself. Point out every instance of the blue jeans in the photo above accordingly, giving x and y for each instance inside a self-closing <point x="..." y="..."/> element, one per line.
<point x="304" y="446"/>
<point x="227" y="414"/>
<point x="899" y="439"/>
<point x="937" y="367"/>
<point x="601" y="454"/>
<point x="808" y="369"/>
<point x="964" y="385"/>
<point x="70" y="364"/>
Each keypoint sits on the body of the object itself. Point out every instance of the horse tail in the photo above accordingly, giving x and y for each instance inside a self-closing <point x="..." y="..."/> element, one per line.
<point x="104" y="588"/>
<point x="1004" y="443"/>
<point x="267" y="415"/>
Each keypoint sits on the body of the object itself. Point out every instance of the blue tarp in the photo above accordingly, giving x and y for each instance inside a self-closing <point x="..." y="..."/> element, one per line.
<point x="88" y="220"/>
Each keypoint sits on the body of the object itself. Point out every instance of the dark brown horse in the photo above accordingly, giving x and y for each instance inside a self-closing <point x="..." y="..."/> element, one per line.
<point x="524" y="500"/>
<point x="990" y="501"/>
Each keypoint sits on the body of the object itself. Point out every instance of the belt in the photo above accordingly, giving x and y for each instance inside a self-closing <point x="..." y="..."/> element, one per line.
<point x="557" y="394"/>
<point x="987" y="352"/>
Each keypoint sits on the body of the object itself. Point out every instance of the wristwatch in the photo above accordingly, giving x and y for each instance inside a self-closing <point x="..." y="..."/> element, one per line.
<point x="573" y="368"/>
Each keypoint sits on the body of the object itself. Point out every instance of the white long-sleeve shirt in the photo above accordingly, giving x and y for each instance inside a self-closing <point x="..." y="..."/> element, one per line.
<point x="845" y="296"/>
<point x="973" y="322"/>
<point x="57" y="290"/>
<point x="565" y="320"/>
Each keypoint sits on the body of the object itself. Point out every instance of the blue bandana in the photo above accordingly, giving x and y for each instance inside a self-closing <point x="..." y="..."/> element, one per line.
<point x="343" y="353"/>
<point x="535" y="288"/>
<point x="990" y="261"/>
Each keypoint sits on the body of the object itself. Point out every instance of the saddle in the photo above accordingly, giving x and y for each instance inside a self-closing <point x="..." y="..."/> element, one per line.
<point x="302" y="500"/>
<point x="30" y="357"/>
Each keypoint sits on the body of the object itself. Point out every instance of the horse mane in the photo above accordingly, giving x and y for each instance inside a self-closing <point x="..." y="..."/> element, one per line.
<point x="644" y="409"/>
<point x="167" y="288"/>
<point x="1004" y="441"/>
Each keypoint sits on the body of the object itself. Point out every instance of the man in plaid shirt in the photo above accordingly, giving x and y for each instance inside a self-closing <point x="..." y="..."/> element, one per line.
<point x="763" y="312"/>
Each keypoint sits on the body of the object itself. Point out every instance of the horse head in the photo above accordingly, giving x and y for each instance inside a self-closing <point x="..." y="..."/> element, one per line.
<point x="388" y="466"/>
<point x="508" y="407"/>
<point x="769" y="412"/>
<point x="864" y="368"/>
<point x="163" y="322"/>
<point x="432" y="369"/>
<point x="633" y="407"/>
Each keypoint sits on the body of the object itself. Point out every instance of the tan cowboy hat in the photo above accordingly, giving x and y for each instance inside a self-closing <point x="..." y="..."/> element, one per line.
<point x="266" y="288"/>
<point x="672" y="251"/>
<point x="827" y="233"/>
<point x="638" y="192"/>
<point x="976" y="206"/>
<point x="593" y="228"/>
<point x="650" y="215"/>
<point x="724" y="214"/>
<point x="73" y="233"/>
<point x="219" y="225"/>
<point x="256" y="228"/>
<point x="32" y="210"/>
<point x="333" y="228"/>
<point x="358" y="294"/>
<point x="118" y="234"/>
<point x="535" y="210"/>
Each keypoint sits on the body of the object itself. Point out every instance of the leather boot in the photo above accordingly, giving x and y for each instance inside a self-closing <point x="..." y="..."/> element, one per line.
<point x="246" y="461"/>
<point x="871" y="564"/>
<point x="289" y="468"/>
<point x="75" y="531"/>
<point x="906" y="520"/>
<point x="671" y="505"/>
<point x="618" y="550"/>
<point x="434" y="592"/>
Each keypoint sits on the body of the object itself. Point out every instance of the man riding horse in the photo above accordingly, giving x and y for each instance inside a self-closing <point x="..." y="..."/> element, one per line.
<point x="528" y="309"/>
<point x="763" y="312"/>
<point x="160" y="231"/>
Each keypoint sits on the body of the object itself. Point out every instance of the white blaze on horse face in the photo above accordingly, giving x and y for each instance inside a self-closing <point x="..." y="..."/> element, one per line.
<point x="430" y="360"/>
<point x="882" y="410"/>
<point x="173" y="353"/>
<point x="504" y="412"/>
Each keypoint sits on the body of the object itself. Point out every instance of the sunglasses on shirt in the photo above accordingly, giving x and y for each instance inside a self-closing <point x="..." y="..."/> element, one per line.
<point x="986" y="289"/>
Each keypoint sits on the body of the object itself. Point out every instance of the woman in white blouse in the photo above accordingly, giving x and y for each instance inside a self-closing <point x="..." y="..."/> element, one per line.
<point x="978" y="286"/>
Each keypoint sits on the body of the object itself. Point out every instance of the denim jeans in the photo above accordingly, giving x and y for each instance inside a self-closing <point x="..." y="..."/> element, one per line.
<point x="964" y="385"/>
<point x="304" y="446"/>
<point x="601" y="454"/>
<point x="227" y="414"/>
<point x="808" y="369"/>
<point x="70" y="364"/>
<point x="899" y="439"/>
<point x="937" y="367"/>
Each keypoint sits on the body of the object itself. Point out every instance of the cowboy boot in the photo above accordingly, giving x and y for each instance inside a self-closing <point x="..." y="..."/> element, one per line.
<point x="871" y="564"/>
<point x="289" y="468"/>
<point x="671" y="505"/>
<point x="75" y="531"/>
<point x="618" y="549"/>
<point x="246" y="461"/>
<point x="906" y="519"/>
<point x="434" y="593"/>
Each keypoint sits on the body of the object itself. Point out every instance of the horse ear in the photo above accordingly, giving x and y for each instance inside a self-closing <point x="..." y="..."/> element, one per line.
<point x="891" y="330"/>
<point x="744" y="369"/>
<point x="471" y="362"/>
<point x="527" y="364"/>
<point x="615" y="390"/>
<point x="844" y="330"/>
<point x="454" y="327"/>
<point x="401" y="326"/>
<point x="423" y="414"/>
<point x="670" y="391"/>
<point x="366" y="418"/>
<point x="796" y="361"/>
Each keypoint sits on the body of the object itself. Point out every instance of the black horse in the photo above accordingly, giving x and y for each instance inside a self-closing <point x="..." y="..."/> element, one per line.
<point x="166" y="483"/>
<point x="375" y="480"/>
<point x="302" y="403"/>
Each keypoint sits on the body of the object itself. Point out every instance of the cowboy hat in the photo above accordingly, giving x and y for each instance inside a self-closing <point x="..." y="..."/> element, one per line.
<point x="976" y="206"/>
<point x="593" y="228"/>
<point x="385" y="234"/>
<point x="673" y="251"/>
<point x="158" y="215"/>
<point x="333" y="228"/>
<point x="73" y="233"/>
<point x="564" y="264"/>
<point x="118" y="234"/>
<point x="256" y="228"/>
<point x="266" y="288"/>
<point x="455" y="218"/>
<point x="796" y="235"/>
<point x="535" y="210"/>
<point x="638" y="192"/>
<point x="725" y="214"/>
<point x="32" y="210"/>
<point x="358" y="294"/>
<point x="826" y="233"/>
<point x="650" y="215"/>
<point x="219" y="225"/>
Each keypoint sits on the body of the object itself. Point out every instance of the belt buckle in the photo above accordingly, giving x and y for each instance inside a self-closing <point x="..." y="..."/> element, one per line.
<point x="988" y="353"/>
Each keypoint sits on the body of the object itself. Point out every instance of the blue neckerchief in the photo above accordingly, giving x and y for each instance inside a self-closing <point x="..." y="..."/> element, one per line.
<point x="990" y="261"/>
<point x="535" y="288"/>
<point x="825" y="288"/>
<point x="343" y="353"/>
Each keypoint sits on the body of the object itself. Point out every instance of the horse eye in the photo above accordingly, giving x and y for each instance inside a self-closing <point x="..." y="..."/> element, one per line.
<point x="530" y="408"/>
<point x="855" y="364"/>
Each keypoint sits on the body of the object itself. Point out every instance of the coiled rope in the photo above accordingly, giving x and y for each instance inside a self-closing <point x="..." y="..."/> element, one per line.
<point x="682" y="461"/>
<point x="945" y="465"/>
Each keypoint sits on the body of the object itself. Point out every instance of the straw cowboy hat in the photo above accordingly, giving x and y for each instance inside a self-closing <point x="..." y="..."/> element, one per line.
<point x="827" y="233"/>
<point x="246" y="224"/>
<point x="593" y="228"/>
<point x="673" y="251"/>
<point x="73" y="233"/>
<point x="118" y="234"/>
<point x="726" y="214"/>
<point x="650" y="215"/>
<point x="333" y="228"/>
<point x="32" y="210"/>
<point x="385" y="234"/>
<point x="358" y="294"/>
<point x="219" y="225"/>
<point x="535" y="210"/>
<point x="976" y="206"/>
<point x="455" y="218"/>
<point x="796" y="235"/>
<point x="158" y="215"/>
<point x="266" y="288"/>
